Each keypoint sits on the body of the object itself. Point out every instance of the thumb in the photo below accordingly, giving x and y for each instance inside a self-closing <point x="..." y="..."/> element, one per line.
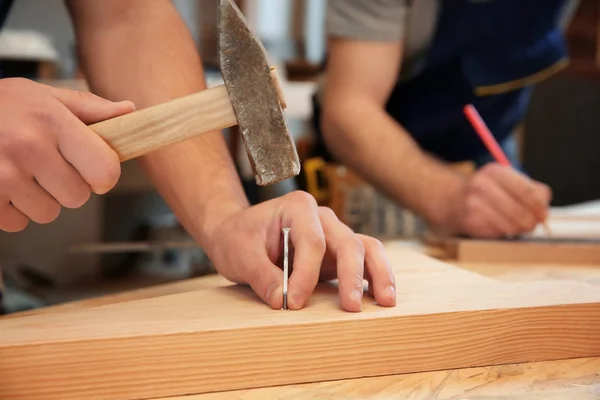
<point x="90" y="108"/>
<point x="266" y="280"/>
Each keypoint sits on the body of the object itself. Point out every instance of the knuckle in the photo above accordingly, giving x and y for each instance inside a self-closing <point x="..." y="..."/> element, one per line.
<point x="360" y="247"/>
<point x="530" y="191"/>
<point x="477" y="182"/>
<point x="376" y="244"/>
<point x="355" y="244"/>
<point x="328" y="213"/>
<point x="491" y="168"/>
<point x="302" y="197"/>
<point x="10" y="179"/>
<point x="24" y="146"/>
<point x="86" y="97"/>
<point x="16" y="82"/>
<point x="472" y="205"/>
<point x="317" y="243"/>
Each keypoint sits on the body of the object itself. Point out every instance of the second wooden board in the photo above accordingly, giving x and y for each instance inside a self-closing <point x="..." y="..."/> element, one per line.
<point x="222" y="337"/>
<point x="527" y="251"/>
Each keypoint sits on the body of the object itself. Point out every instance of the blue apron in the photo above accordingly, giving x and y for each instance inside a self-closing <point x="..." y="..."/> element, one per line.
<point x="484" y="52"/>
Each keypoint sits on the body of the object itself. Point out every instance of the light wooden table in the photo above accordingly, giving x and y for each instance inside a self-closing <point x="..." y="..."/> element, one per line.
<point x="566" y="379"/>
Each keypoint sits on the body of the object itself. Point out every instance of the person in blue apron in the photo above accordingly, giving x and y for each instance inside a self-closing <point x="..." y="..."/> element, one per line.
<point x="50" y="159"/>
<point x="402" y="131"/>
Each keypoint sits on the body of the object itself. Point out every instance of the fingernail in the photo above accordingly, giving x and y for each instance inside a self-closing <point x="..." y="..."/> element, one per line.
<point x="129" y="103"/>
<point x="357" y="297"/>
<point x="296" y="301"/>
<point x="391" y="292"/>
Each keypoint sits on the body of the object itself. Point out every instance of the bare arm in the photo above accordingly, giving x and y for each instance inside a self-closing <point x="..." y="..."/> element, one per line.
<point x="142" y="51"/>
<point x="361" y="134"/>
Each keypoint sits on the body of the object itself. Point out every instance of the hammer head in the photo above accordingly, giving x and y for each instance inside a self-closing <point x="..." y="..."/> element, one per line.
<point x="255" y="99"/>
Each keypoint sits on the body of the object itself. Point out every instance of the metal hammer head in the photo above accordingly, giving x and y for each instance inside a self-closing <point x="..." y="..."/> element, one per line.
<point x="255" y="99"/>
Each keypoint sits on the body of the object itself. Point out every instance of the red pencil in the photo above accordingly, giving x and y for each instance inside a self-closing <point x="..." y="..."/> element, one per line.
<point x="485" y="135"/>
<point x="491" y="143"/>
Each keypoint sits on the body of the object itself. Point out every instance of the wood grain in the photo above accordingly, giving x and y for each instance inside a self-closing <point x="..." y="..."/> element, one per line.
<point x="223" y="338"/>
<point x="143" y="131"/>
<point x="523" y="252"/>
<point x="550" y="380"/>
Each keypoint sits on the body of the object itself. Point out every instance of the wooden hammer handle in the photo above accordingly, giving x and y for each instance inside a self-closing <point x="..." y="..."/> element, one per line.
<point x="143" y="131"/>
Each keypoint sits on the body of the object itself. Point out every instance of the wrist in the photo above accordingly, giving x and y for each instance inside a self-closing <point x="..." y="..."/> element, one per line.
<point x="444" y="207"/>
<point x="212" y="215"/>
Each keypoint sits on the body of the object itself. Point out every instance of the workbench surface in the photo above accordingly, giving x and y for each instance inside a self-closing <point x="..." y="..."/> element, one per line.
<point x="566" y="379"/>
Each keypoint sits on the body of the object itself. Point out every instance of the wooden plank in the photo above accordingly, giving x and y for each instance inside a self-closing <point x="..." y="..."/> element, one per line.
<point x="552" y="252"/>
<point x="184" y="286"/>
<point x="224" y="338"/>
<point x="550" y="380"/>
<point x="575" y="240"/>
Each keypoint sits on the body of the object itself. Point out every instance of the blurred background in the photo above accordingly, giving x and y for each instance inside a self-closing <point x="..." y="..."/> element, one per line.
<point x="129" y="238"/>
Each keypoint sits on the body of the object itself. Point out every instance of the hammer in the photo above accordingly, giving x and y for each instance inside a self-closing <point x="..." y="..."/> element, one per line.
<point x="251" y="98"/>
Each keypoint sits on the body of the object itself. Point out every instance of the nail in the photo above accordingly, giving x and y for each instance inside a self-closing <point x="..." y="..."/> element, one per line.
<point x="357" y="297"/>
<point x="296" y="301"/>
<point x="129" y="103"/>
<point x="391" y="292"/>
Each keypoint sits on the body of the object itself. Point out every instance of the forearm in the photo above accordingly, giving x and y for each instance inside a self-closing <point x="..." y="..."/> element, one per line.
<point x="363" y="136"/>
<point x="147" y="56"/>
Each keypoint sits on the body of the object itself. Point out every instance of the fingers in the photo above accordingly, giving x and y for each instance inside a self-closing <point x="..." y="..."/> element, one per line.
<point x="349" y="252"/>
<point x="382" y="283"/>
<point x="61" y="181"/>
<point x="26" y="196"/>
<point x="517" y="218"/>
<point x="11" y="219"/>
<point x="534" y="196"/>
<point x="90" y="108"/>
<point x="307" y="237"/>
<point x="483" y="219"/>
<point x="31" y="200"/>
<point x="87" y="152"/>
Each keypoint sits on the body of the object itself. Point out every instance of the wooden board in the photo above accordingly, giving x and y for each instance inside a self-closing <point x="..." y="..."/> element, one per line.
<point x="575" y="240"/>
<point x="523" y="252"/>
<point x="551" y="380"/>
<point x="223" y="337"/>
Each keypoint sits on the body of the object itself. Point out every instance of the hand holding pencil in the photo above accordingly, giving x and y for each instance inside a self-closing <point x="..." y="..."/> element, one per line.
<point x="492" y="145"/>
<point x="498" y="200"/>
